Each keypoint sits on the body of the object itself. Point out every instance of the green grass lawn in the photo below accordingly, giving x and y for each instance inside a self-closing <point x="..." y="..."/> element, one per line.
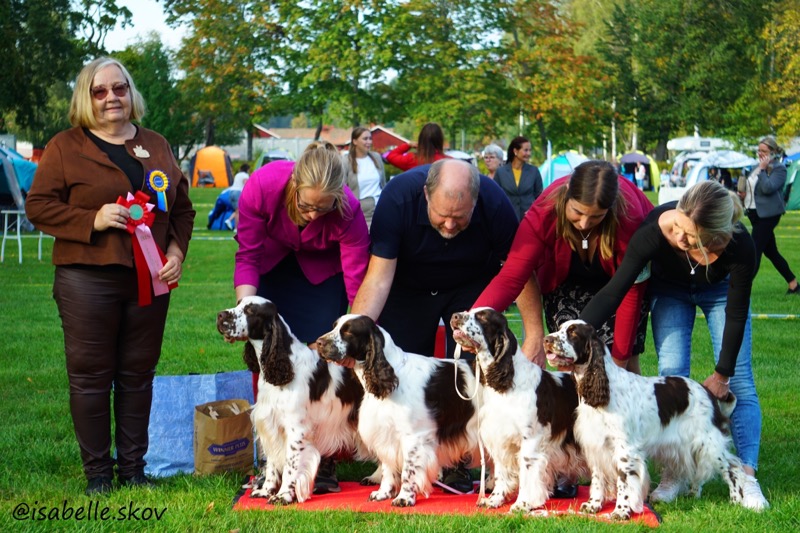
<point x="41" y="465"/>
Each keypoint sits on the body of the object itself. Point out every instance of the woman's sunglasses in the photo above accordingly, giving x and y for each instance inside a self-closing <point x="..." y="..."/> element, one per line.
<point x="100" y="92"/>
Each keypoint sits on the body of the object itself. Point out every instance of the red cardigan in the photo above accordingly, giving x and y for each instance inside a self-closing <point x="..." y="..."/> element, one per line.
<point x="401" y="158"/>
<point x="537" y="249"/>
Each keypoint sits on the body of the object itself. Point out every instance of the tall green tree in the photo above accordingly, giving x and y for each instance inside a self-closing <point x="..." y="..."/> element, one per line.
<point x="555" y="87"/>
<point x="169" y="111"/>
<point x="228" y="63"/>
<point x="39" y="51"/>
<point x="336" y="55"/>
<point x="448" y="67"/>
<point x="44" y="43"/>
<point x="685" y="63"/>
<point x="784" y="83"/>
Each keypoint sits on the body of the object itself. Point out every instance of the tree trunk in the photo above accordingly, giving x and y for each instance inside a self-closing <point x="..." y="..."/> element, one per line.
<point x="209" y="131"/>
<point x="249" y="142"/>
<point x="542" y="136"/>
<point x="319" y="129"/>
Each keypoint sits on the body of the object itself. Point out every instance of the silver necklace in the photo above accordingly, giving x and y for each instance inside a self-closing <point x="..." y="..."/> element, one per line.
<point x="585" y="241"/>
<point x="693" y="267"/>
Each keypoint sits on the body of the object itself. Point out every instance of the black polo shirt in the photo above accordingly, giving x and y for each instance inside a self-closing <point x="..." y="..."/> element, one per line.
<point x="402" y="230"/>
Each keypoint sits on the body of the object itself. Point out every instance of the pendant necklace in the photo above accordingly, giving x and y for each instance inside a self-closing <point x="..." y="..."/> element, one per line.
<point x="585" y="241"/>
<point x="693" y="267"/>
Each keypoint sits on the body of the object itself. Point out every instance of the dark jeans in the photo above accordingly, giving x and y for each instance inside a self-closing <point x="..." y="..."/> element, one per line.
<point x="411" y="316"/>
<point x="109" y="342"/>
<point x="764" y="239"/>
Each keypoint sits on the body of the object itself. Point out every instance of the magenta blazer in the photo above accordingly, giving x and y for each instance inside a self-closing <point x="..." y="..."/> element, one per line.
<point x="266" y="235"/>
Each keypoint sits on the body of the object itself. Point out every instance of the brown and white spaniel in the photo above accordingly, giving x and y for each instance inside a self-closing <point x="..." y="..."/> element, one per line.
<point x="526" y="417"/>
<point x="624" y="419"/>
<point x="305" y="409"/>
<point x="412" y="419"/>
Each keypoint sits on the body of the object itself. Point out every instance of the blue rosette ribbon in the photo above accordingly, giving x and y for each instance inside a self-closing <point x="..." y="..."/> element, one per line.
<point x="159" y="183"/>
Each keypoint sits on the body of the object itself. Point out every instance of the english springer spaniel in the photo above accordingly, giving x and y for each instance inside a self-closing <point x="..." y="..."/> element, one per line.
<point x="624" y="419"/>
<point x="526" y="417"/>
<point x="305" y="409"/>
<point x="411" y="417"/>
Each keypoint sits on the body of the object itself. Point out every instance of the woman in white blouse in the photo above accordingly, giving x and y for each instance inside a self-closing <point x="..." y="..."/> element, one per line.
<point x="365" y="174"/>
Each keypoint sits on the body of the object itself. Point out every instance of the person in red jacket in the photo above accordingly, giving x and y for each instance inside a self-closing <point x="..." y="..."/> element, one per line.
<point x="573" y="239"/>
<point x="429" y="148"/>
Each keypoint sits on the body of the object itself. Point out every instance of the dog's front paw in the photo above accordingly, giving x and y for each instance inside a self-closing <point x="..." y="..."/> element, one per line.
<point x="621" y="512"/>
<point x="283" y="498"/>
<point x="591" y="507"/>
<point x="379" y="496"/>
<point x="521" y="506"/>
<point x="405" y="499"/>
<point x="264" y="492"/>
<point x="493" y="501"/>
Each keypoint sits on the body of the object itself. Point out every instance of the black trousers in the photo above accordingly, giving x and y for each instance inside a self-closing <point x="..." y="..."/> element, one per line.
<point x="764" y="239"/>
<point x="111" y="344"/>
<point x="411" y="316"/>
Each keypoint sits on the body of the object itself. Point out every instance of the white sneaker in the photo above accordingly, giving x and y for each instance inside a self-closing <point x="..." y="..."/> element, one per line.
<point x="229" y="224"/>
<point x="753" y="498"/>
<point x="668" y="490"/>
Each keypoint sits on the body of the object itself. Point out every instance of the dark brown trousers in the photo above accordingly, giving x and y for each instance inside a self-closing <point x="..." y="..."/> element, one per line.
<point x="110" y="343"/>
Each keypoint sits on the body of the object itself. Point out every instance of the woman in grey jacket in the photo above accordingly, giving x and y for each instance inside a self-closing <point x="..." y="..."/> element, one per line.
<point x="520" y="180"/>
<point x="762" y="193"/>
<point x="365" y="175"/>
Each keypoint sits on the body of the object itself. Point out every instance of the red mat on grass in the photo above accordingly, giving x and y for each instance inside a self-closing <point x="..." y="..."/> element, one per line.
<point x="354" y="497"/>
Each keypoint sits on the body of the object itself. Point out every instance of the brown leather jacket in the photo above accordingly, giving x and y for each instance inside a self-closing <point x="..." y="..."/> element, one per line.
<point x="75" y="179"/>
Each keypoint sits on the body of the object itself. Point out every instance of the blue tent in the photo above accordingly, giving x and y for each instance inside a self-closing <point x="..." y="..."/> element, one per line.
<point x="560" y="165"/>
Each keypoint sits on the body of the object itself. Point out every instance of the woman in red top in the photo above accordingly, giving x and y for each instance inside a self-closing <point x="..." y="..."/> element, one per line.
<point x="429" y="146"/>
<point x="573" y="238"/>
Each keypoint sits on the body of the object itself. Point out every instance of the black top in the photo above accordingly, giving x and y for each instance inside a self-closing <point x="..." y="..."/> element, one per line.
<point x="118" y="154"/>
<point x="736" y="263"/>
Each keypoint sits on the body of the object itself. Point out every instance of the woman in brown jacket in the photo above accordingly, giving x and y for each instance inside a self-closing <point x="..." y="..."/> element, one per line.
<point x="100" y="189"/>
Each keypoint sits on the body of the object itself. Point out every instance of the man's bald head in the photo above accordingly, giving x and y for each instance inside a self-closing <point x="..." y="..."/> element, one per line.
<point x="451" y="191"/>
<point x="454" y="178"/>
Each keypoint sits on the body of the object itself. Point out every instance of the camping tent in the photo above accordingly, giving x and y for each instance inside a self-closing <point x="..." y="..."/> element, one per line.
<point x="16" y="177"/>
<point x="727" y="159"/>
<point x="211" y="167"/>
<point x="628" y="163"/>
<point x="560" y="165"/>
<point x="790" y="192"/>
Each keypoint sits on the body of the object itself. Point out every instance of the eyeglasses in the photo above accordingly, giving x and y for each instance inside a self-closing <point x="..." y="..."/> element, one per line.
<point x="305" y="208"/>
<point x="100" y="92"/>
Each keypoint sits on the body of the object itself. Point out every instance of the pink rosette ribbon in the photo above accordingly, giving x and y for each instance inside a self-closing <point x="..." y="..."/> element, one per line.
<point x="149" y="259"/>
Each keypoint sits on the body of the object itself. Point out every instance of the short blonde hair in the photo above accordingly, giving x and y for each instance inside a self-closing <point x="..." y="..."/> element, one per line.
<point x="320" y="167"/>
<point x="81" y="112"/>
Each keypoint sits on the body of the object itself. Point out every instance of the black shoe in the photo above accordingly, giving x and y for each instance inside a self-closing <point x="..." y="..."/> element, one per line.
<point x="458" y="480"/>
<point x="99" y="485"/>
<point x="796" y="290"/>
<point x="565" y="490"/>
<point x="136" y="480"/>
<point x="326" y="481"/>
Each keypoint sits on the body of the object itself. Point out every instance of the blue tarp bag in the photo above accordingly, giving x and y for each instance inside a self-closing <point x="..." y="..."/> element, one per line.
<point x="171" y="431"/>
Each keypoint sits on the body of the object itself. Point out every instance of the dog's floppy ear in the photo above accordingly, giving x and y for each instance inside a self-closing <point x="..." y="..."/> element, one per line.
<point x="379" y="375"/>
<point x="594" y="387"/>
<point x="276" y="351"/>
<point x="503" y="345"/>
<point x="251" y="358"/>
